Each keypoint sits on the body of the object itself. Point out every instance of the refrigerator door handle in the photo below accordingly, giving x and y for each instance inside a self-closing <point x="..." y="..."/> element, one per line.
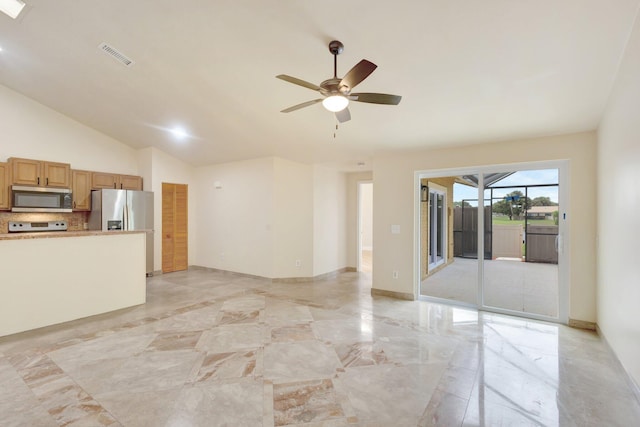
<point x="125" y="216"/>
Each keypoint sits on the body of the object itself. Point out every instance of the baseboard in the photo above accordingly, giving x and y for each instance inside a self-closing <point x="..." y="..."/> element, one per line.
<point x="632" y="384"/>
<point x="227" y="272"/>
<point x="582" y="324"/>
<point x="392" y="294"/>
<point x="325" y="276"/>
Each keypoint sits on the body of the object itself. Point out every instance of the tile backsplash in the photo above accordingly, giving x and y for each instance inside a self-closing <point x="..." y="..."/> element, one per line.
<point x="75" y="220"/>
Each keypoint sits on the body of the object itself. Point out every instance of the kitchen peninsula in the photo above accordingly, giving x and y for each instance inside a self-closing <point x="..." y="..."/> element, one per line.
<point x="50" y="278"/>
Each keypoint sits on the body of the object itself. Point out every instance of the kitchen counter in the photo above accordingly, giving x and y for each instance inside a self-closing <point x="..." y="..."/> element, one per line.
<point x="55" y="234"/>
<point x="55" y="277"/>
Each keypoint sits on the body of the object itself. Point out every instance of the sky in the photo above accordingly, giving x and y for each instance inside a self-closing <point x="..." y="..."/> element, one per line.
<point x="532" y="177"/>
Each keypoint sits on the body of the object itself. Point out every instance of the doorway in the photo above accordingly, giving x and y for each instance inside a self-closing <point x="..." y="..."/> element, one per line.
<point x="365" y="226"/>
<point x="175" y="237"/>
<point x="505" y="242"/>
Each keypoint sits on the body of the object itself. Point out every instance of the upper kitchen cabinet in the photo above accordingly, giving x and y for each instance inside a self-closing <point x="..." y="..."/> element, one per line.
<point x="130" y="182"/>
<point x="104" y="180"/>
<point x="111" y="180"/>
<point x="81" y="190"/>
<point x="4" y="187"/>
<point x="40" y="173"/>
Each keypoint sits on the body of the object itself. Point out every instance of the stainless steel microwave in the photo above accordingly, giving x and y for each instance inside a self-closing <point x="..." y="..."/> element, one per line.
<point x="40" y="199"/>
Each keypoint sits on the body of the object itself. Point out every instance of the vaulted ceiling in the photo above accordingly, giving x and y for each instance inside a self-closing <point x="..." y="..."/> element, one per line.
<point x="468" y="71"/>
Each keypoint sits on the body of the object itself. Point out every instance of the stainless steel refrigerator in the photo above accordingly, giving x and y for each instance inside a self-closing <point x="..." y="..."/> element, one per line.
<point x="124" y="210"/>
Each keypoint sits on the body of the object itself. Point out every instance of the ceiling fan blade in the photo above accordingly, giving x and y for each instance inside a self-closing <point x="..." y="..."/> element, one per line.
<point x="343" y="115"/>
<point x="376" y="98"/>
<point x="299" y="106"/>
<point x="357" y="74"/>
<point x="298" y="82"/>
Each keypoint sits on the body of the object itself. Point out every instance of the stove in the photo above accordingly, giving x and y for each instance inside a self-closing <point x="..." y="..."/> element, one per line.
<point x="22" y="226"/>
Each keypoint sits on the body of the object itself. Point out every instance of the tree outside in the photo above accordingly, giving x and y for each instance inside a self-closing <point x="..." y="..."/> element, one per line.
<point x="543" y="201"/>
<point x="513" y="205"/>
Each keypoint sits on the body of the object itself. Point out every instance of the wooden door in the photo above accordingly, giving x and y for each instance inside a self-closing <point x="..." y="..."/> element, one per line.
<point x="81" y="190"/>
<point x="174" y="227"/>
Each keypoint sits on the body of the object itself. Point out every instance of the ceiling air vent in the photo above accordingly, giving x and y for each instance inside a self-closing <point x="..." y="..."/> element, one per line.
<point x="116" y="54"/>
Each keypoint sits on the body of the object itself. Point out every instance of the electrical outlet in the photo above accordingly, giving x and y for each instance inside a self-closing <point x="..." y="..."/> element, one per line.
<point x="221" y="256"/>
<point x="395" y="274"/>
<point x="298" y="263"/>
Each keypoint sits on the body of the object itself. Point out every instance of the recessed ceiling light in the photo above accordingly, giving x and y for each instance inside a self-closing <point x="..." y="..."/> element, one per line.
<point x="179" y="133"/>
<point x="12" y="7"/>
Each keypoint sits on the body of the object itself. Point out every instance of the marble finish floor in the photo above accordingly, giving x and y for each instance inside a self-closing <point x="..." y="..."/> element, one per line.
<point x="210" y="349"/>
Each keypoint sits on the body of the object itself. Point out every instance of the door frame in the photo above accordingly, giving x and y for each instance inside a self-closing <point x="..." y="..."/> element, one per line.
<point x="359" y="226"/>
<point x="564" y="243"/>
<point x="437" y="190"/>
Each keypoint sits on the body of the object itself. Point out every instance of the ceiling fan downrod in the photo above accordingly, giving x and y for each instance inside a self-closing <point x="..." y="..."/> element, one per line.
<point x="336" y="48"/>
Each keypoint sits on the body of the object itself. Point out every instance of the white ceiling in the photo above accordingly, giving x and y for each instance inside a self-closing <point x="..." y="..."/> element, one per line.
<point x="468" y="71"/>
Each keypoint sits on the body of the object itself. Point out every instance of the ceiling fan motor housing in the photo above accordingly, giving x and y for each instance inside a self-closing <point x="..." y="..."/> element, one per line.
<point x="332" y="87"/>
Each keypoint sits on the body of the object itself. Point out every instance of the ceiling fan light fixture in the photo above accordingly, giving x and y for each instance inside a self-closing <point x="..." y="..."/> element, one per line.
<point x="335" y="103"/>
<point x="12" y="7"/>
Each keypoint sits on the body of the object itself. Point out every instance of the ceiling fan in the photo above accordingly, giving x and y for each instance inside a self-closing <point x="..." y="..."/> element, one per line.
<point x="337" y="91"/>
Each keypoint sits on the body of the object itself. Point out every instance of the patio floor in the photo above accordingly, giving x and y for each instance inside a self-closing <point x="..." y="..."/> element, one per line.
<point x="520" y="286"/>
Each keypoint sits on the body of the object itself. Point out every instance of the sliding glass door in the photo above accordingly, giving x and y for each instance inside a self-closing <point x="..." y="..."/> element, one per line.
<point x="522" y="273"/>
<point x="510" y="219"/>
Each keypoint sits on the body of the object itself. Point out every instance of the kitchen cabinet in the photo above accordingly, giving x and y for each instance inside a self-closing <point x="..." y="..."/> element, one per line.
<point x="81" y="190"/>
<point x="107" y="180"/>
<point x="130" y="182"/>
<point x="104" y="180"/>
<point x="4" y="187"/>
<point x="40" y="173"/>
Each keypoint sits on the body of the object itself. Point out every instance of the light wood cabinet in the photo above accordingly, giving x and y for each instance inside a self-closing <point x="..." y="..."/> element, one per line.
<point x="40" y="173"/>
<point x="81" y="190"/>
<point x="57" y="174"/>
<point x="101" y="180"/>
<point x="4" y="187"/>
<point x="130" y="182"/>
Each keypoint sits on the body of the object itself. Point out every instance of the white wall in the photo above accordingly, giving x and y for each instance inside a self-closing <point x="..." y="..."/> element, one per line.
<point x="293" y="219"/>
<point x="33" y="131"/>
<point x="235" y="223"/>
<point x="619" y="213"/>
<point x="394" y="204"/>
<point x="352" y="214"/>
<point x="329" y="220"/>
<point x="269" y="214"/>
